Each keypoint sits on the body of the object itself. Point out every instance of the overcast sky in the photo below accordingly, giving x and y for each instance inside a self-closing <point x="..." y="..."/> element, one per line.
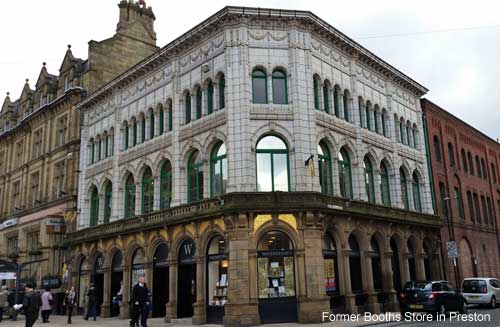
<point x="458" y="62"/>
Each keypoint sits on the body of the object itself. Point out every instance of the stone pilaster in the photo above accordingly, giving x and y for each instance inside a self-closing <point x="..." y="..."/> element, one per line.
<point x="171" y="306"/>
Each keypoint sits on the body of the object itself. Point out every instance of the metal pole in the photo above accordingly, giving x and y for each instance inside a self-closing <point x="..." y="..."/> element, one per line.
<point x="18" y="281"/>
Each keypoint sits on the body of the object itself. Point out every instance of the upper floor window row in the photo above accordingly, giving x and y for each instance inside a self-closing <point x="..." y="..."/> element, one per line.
<point x="373" y="118"/>
<point x="332" y="99"/>
<point x="278" y="82"/>
<point x="406" y="132"/>
<point x="203" y="100"/>
<point x="100" y="147"/>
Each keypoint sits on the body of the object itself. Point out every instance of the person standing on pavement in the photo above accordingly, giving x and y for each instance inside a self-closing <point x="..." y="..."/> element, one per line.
<point x="46" y="308"/>
<point x="4" y="294"/>
<point x="70" y="302"/>
<point x="11" y="299"/>
<point x="31" y="305"/>
<point x="140" y="303"/>
<point x="91" y="303"/>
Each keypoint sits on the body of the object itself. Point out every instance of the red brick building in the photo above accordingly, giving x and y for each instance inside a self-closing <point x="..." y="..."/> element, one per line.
<point x="466" y="177"/>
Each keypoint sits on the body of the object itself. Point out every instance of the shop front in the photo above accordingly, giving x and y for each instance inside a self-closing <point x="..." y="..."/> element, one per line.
<point x="98" y="280"/>
<point x="160" y="280"/>
<point x="116" y="283"/>
<point x="217" y="279"/>
<point x="276" y="279"/>
<point x="138" y="268"/>
<point x="186" y="286"/>
<point x="332" y="282"/>
<point x="83" y="285"/>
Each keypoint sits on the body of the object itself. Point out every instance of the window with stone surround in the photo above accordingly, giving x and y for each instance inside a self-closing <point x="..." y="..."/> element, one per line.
<point x="58" y="181"/>
<point x="34" y="195"/>
<point x="280" y="87"/>
<point x="130" y="197"/>
<point x="273" y="168"/>
<point x="259" y="86"/>
<point x="166" y="185"/>
<point x="187" y="108"/>
<point x="199" y="102"/>
<point x="37" y="143"/>
<point x="417" y="201"/>
<point x="369" y="184"/>
<point x="62" y="129"/>
<point x="336" y="105"/>
<point x="218" y="169"/>
<point x="210" y="97"/>
<point x="345" y="174"/>
<point x="385" y="190"/>
<point x="108" y="196"/>
<point x="437" y="148"/>
<point x="195" y="177"/>
<point x="94" y="206"/>
<point x="12" y="245"/>
<point x="404" y="188"/>
<point x="222" y="91"/>
<point x="19" y="154"/>
<point x="325" y="168"/>
<point x="16" y="195"/>
<point x="147" y="191"/>
<point x="345" y="99"/>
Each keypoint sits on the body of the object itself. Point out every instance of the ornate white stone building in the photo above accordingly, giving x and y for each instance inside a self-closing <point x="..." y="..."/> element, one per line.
<point x="256" y="122"/>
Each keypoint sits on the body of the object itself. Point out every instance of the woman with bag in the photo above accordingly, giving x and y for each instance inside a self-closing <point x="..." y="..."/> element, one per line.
<point x="70" y="302"/>
<point x="47" y="301"/>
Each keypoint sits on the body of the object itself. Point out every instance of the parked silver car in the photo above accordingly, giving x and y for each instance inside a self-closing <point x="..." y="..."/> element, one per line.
<point x="484" y="291"/>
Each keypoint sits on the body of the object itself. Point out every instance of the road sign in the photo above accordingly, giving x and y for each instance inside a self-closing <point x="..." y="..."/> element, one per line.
<point x="452" y="249"/>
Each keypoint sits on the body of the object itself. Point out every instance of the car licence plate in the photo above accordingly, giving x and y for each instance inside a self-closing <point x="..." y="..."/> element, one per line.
<point x="416" y="306"/>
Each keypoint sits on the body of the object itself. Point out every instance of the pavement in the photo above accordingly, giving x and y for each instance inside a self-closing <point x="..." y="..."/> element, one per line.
<point x="477" y="317"/>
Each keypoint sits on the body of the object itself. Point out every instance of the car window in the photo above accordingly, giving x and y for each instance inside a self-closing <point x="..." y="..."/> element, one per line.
<point x="449" y="288"/>
<point x="437" y="287"/>
<point x="417" y="286"/>
<point x="495" y="283"/>
<point x="474" y="286"/>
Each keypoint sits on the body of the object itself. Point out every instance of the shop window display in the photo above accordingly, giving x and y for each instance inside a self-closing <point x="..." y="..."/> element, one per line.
<point x="217" y="266"/>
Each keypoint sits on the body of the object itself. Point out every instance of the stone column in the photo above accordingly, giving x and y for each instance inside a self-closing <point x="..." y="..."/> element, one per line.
<point x="124" y="307"/>
<point x="242" y="308"/>
<point x="171" y="306"/>
<point x="350" y="299"/>
<point x="200" y="307"/>
<point x="367" y="272"/>
<point x="419" y="266"/>
<point x="314" y="301"/>
<point x="106" y="302"/>
<point x="392" y="301"/>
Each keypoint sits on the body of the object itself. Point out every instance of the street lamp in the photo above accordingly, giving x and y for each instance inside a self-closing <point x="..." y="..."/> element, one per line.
<point x="451" y="236"/>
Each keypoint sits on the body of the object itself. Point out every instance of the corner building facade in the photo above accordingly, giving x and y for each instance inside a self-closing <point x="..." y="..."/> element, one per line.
<point x="266" y="169"/>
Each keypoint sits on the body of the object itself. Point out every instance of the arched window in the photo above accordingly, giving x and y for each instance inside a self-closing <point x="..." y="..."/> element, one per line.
<point x="198" y="103"/>
<point x="483" y="167"/>
<point x="92" y="151"/>
<point x="346" y="105"/>
<point x="130" y="197"/>
<point x="385" y="190"/>
<point x="402" y="131"/>
<point x="222" y="92"/>
<point x="187" y="108"/>
<point x="280" y="88"/>
<point x="409" y="135"/>
<point x="336" y="105"/>
<point x="165" y="185"/>
<point x="138" y="267"/>
<point x="126" y="132"/>
<point x="106" y="146"/>
<point x="471" y="165"/>
<point x="361" y="114"/>
<point x="99" y="149"/>
<point x="416" y="193"/>
<point x="437" y="149"/>
<point x="369" y="185"/>
<point x="478" y="167"/>
<point x="411" y="261"/>
<point x="218" y="170"/>
<point x="161" y="118"/>
<point x="151" y="125"/>
<point x="316" y="93"/>
<point x="195" y="177"/>
<point x="134" y="132"/>
<point x="493" y="173"/>
<point x="368" y="118"/>
<point x="345" y="175"/>
<point x="451" y="155"/>
<point x="376" y="264"/>
<point x="355" y="265"/>
<point x="376" y="113"/>
<point x="415" y="137"/>
<point x="404" y="189"/>
<point x="108" y="194"/>
<point x="272" y="165"/>
<point x="460" y="208"/>
<point x="147" y="191"/>
<point x="170" y="117"/>
<point x="331" y="265"/>
<point x="210" y="97"/>
<point x="326" y="100"/>
<point x="384" y="124"/>
<point x="94" y="206"/>
<point x="143" y="129"/>
<point x="325" y="169"/>
<point x="259" y="86"/>
<point x="464" y="160"/>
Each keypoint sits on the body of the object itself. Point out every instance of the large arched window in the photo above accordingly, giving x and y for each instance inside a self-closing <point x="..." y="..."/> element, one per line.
<point x="384" y="123"/>
<point x="187" y="108"/>
<point x="259" y="86"/>
<point x="483" y="168"/>
<point x="147" y="191"/>
<point x="222" y="92"/>
<point x="451" y="154"/>
<point x="417" y="203"/>
<point x="464" y="160"/>
<point x="404" y="189"/>
<point x="210" y="97"/>
<point x="331" y="265"/>
<point x="218" y="170"/>
<point x="130" y="197"/>
<point x="376" y="114"/>
<point x="195" y="177"/>
<point x="280" y="88"/>
<point x="161" y="120"/>
<point x="134" y="132"/>
<point x="326" y="98"/>
<point x="355" y="265"/>
<point x="138" y="267"/>
<point x="385" y="190"/>
<point x="126" y="136"/>
<point x="478" y="167"/>
<point x="165" y="185"/>
<point x="361" y="114"/>
<point x="151" y="125"/>
<point x="345" y="98"/>
<point x="325" y="169"/>
<point x="272" y="165"/>
<point x="108" y="194"/>
<point x="369" y="185"/>
<point x="143" y="129"/>
<point x="376" y="264"/>
<point x="198" y="103"/>
<point x="316" y="93"/>
<point x="336" y="105"/>
<point x="345" y="175"/>
<point x="367" y="116"/>
<point x="415" y="137"/>
<point x="409" y="135"/>
<point x="170" y="116"/>
<point x="94" y="206"/>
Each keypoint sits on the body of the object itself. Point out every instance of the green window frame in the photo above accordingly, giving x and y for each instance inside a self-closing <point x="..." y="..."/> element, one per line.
<point x="345" y="174"/>
<point x="408" y="136"/>
<point x="161" y="119"/>
<point x="147" y="191"/>
<point x="316" y="93"/>
<point x="385" y="186"/>
<point x="336" y="102"/>
<point x="198" y="103"/>
<point x="143" y="129"/>
<point x="210" y="97"/>
<point x="414" y="137"/>
<point x="404" y="189"/>
<point x="360" y="109"/>
<point x="134" y="133"/>
<point x="369" y="184"/>
<point x="99" y="150"/>
<point x="375" y="121"/>
<point x="367" y="115"/>
<point x="218" y="170"/>
<point x="384" y="127"/>
<point x="270" y="152"/>
<point x="325" y="169"/>
<point x="166" y="185"/>
<point x="94" y="207"/>
<point x="346" y="105"/>
<point x="152" y="125"/>
<point x="170" y="118"/>
<point x="195" y="178"/>
<point x="129" y="197"/>
<point x="187" y="108"/>
<point x="126" y="136"/>
<point x="106" y="146"/>
<point x="402" y="133"/>
<point x="222" y="92"/>
<point x="92" y="154"/>
<point x="417" y="201"/>
<point x="259" y="75"/>
<point x="108" y="195"/>
<point x="280" y="85"/>
<point x="326" y="101"/>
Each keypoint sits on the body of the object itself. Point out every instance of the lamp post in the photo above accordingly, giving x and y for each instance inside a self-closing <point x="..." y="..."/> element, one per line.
<point x="451" y="235"/>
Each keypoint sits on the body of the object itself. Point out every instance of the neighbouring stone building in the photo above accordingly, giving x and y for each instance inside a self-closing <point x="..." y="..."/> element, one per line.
<point x="467" y="193"/>
<point x="40" y="148"/>
<point x="264" y="168"/>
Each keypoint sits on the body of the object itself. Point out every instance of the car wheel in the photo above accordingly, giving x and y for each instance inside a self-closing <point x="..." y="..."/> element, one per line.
<point x="493" y="302"/>
<point x="464" y="308"/>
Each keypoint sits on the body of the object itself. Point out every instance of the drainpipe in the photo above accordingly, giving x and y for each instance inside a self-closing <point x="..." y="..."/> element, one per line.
<point x="431" y="180"/>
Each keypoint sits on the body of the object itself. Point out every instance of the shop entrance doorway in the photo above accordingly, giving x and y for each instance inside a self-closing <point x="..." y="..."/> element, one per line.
<point x="186" y="286"/>
<point x="160" y="280"/>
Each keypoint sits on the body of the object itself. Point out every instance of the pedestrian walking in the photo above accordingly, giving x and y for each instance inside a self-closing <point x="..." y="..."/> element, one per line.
<point x="91" y="303"/>
<point x="4" y="294"/>
<point x="31" y="305"/>
<point x="70" y="302"/>
<point x="47" y="301"/>
<point x="140" y="303"/>
<point x="11" y="299"/>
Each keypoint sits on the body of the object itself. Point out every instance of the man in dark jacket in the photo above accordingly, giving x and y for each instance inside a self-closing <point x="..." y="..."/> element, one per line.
<point x="91" y="303"/>
<point x="140" y="303"/>
<point x="31" y="305"/>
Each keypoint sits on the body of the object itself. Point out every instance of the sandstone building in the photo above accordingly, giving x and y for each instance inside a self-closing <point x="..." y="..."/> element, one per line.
<point x="263" y="167"/>
<point x="467" y="192"/>
<point x="40" y="147"/>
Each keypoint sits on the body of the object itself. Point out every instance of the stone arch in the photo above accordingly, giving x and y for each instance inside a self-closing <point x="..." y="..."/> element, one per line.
<point x="188" y="148"/>
<point x="110" y="253"/>
<point x="338" y="235"/>
<point x="177" y="242"/>
<point x="349" y="147"/>
<point x="215" y="137"/>
<point x="274" y="129"/>
<point x="279" y="226"/>
<point x="160" y="162"/>
<point x="142" y="170"/>
<point x="130" y="250"/>
<point x="124" y="176"/>
<point x="153" y="246"/>
<point x="208" y="235"/>
<point x="465" y="258"/>
<point x="326" y="136"/>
